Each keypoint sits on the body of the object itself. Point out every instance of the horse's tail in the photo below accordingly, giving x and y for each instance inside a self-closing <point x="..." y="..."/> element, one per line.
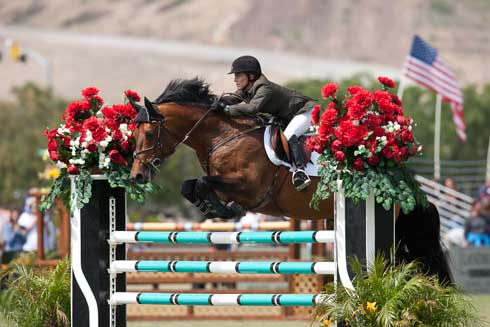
<point x="418" y="238"/>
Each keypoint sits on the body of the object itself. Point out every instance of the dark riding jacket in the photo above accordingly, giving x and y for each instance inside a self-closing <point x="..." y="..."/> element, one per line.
<point x="270" y="98"/>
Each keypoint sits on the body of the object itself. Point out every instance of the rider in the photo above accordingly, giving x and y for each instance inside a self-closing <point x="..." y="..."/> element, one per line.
<point x="259" y="95"/>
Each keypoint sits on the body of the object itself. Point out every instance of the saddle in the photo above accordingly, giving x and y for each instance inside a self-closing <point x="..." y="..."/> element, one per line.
<point x="281" y="147"/>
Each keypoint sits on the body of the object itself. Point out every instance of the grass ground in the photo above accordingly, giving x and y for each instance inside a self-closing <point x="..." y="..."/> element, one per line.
<point x="481" y="302"/>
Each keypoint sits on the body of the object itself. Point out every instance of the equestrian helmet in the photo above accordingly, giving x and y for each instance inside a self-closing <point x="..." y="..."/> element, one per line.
<point x="246" y="64"/>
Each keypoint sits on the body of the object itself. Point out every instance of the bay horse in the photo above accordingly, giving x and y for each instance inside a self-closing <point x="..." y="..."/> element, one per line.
<point x="239" y="175"/>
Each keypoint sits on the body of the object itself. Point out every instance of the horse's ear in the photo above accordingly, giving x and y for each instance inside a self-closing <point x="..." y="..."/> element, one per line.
<point x="152" y="110"/>
<point x="136" y="106"/>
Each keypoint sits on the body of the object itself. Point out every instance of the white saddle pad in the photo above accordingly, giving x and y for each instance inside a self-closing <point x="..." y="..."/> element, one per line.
<point x="311" y="168"/>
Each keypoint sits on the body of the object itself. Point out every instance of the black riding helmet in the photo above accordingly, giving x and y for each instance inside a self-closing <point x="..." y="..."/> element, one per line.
<point x="246" y="64"/>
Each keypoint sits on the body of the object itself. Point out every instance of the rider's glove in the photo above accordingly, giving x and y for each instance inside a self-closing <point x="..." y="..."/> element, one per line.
<point x="219" y="106"/>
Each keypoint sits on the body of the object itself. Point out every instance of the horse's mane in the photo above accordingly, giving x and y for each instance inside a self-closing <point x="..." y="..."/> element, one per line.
<point x="187" y="91"/>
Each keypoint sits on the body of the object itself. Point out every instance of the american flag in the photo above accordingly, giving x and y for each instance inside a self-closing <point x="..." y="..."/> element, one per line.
<point x="424" y="65"/>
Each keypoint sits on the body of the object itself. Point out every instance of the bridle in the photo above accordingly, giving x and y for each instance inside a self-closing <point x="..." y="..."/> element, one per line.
<point x="153" y="164"/>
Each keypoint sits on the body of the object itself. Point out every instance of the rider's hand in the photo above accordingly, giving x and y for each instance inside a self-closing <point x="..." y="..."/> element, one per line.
<point x="219" y="106"/>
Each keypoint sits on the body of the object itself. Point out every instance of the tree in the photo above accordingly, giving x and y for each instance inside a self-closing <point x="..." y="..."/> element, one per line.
<point x="23" y="122"/>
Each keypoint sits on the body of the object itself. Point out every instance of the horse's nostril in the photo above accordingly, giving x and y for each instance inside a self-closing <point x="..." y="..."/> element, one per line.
<point x="139" y="178"/>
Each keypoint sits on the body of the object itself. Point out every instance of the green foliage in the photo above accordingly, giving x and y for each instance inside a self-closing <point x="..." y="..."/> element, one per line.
<point x="37" y="298"/>
<point x="398" y="296"/>
<point x="389" y="186"/>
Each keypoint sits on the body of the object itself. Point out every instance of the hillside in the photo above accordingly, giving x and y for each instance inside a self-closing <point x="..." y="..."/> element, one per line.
<point x="293" y="38"/>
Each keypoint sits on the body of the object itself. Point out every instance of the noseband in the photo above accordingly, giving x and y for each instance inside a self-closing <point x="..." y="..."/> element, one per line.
<point x="155" y="162"/>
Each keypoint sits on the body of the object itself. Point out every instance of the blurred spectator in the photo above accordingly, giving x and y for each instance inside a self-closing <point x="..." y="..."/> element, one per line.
<point x="13" y="236"/>
<point x="476" y="228"/>
<point x="28" y="220"/>
<point x="484" y="190"/>
<point x="450" y="184"/>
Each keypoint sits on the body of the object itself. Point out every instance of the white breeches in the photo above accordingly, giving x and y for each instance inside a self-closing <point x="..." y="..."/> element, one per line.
<point x="298" y="125"/>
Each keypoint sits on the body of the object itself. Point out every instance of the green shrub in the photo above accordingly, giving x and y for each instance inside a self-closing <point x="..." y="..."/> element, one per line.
<point x="37" y="298"/>
<point x="398" y="296"/>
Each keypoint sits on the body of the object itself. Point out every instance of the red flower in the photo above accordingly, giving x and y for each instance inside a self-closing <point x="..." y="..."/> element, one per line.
<point x="336" y="146"/>
<point x="66" y="140"/>
<point x="117" y="158"/>
<point x="98" y="99"/>
<point x="358" y="164"/>
<point x="362" y="98"/>
<point x="356" y="112"/>
<point x="117" y="135"/>
<point x="309" y="143"/>
<point x="354" y="89"/>
<point x="94" y="125"/>
<point x="339" y="156"/>
<point x="52" y="145"/>
<point x="396" y="100"/>
<point x="373" y="160"/>
<point x="357" y="133"/>
<point x="386" y="81"/>
<point x="53" y="155"/>
<point x="401" y="120"/>
<point x="329" y="117"/>
<point x="51" y="133"/>
<point x="90" y="92"/>
<point x="72" y="170"/>
<point x="125" y="146"/>
<point x="315" y="114"/>
<point x="92" y="147"/>
<point x="325" y="131"/>
<point x="132" y="94"/>
<point x="381" y="95"/>
<point x="407" y="136"/>
<point x="329" y="90"/>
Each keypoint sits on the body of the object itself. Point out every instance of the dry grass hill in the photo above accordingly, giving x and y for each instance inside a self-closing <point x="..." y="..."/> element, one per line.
<point x="376" y="31"/>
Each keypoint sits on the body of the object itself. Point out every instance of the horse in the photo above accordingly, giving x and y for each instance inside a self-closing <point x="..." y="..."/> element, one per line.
<point x="239" y="175"/>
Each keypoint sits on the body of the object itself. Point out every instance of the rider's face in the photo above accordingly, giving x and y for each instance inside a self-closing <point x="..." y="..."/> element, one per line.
<point x="241" y="80"/>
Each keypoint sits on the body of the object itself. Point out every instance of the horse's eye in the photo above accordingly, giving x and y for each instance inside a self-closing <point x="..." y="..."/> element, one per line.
<point x="149" y="135"/>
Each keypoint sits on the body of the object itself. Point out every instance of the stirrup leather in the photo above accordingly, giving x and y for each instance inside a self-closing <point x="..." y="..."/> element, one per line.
<point x="305" y="184"/>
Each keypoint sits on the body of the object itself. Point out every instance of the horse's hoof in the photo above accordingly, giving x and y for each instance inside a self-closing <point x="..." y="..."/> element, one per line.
<point x="236" y="209"/>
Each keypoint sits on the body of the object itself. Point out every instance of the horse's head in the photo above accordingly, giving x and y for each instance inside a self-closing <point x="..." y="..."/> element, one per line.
<point x="153" y="142"/>
<point x="157" y="138"/>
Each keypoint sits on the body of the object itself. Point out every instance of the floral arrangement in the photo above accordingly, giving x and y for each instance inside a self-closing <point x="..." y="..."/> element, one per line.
<point x="388" y="295"/>
<point x="364" y="140"/>
<point x="94" y="139"/>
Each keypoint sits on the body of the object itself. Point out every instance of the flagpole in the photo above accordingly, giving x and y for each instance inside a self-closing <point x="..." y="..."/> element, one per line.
<point x="437" y="139"/>
<point x="487" y="174"/>
<point x="401" y="87"/>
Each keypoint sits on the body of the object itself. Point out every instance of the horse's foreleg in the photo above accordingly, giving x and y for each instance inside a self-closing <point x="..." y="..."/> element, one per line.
<point x="206" y="187"/>
<point x="188" y="191"/>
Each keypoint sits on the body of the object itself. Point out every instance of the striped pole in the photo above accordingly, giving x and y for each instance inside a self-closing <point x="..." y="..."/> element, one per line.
<point x="224" y="237"/>
<point x="226" y="267"/>
<point x="305" y="300"/>
<point x="210" y="227"/>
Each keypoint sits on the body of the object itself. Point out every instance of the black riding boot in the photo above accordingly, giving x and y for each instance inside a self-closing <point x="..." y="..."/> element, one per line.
<point x="300" y="179"/>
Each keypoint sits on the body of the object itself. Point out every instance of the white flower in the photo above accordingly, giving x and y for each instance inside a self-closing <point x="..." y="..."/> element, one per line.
<point x="99" y="114"/>
<point x="123" y="127"/>
<point x="410" y="128"/>
<point x="104" y="144"/>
